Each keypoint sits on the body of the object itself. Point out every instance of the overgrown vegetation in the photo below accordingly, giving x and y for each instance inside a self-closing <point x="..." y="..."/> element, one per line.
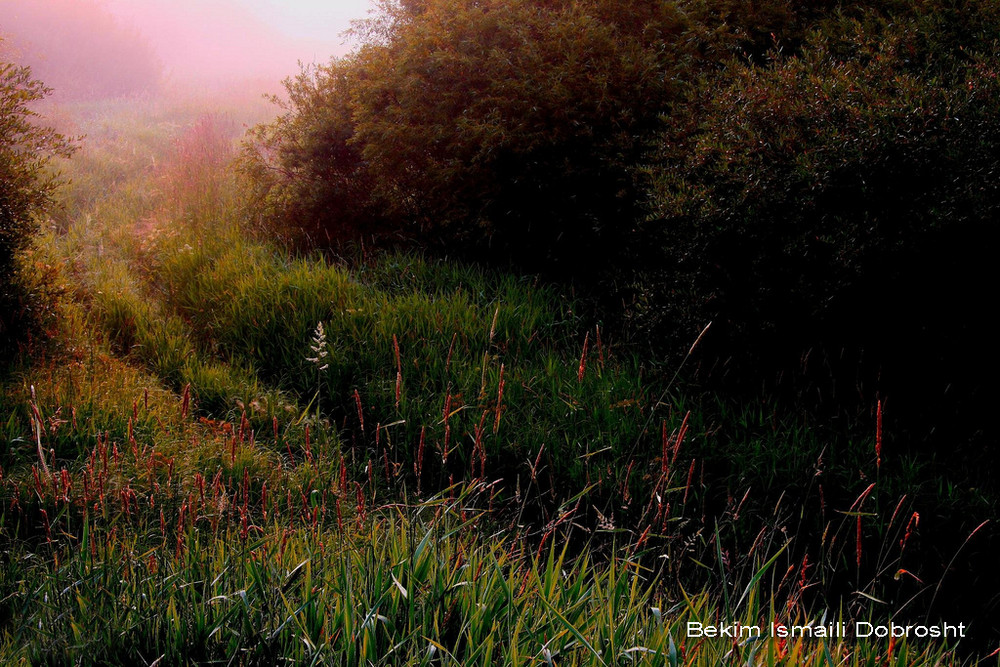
<point x="812" y="178"/>
<point x="227" y="450"/>
<point x="816" y="180"/>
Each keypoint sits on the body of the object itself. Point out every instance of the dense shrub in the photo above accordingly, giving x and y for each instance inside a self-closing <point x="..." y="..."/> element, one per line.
<point x="841" y="199"/>
<point x="506" y="127"/>
<point x="508" y="124"/>
<point x="25" y="187"/>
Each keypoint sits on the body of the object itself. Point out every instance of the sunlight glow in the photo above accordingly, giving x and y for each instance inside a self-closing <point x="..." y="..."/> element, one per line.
<point x="211" y="39"/>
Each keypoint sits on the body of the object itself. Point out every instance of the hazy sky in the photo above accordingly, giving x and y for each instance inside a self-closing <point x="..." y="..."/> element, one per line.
<point x="309" y="19"/>
<point x="207" y="39"/>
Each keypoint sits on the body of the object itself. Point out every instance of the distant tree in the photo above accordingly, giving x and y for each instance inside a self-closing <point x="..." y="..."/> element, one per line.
<point x="26" y="187"/>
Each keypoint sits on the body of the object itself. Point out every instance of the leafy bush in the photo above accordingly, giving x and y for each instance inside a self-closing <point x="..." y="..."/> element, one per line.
<point x="841" y="197"/>
<point x="25" y="187"/>
<point x="504" y="129"/>
<point x="508" y="124"/>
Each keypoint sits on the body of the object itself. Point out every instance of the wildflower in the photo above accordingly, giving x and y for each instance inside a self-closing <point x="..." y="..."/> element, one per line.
<point x="318" y="346"/>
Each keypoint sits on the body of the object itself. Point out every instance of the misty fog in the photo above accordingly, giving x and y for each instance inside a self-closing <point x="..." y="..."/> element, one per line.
<point x="92" y="49"/>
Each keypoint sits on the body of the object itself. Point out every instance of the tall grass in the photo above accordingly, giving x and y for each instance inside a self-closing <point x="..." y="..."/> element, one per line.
<point x="232" y="453"/>
<point x="135" y="555"/>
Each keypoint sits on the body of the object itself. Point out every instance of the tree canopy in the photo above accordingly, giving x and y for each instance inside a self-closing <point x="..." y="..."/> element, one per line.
<point x="511" y="124"/>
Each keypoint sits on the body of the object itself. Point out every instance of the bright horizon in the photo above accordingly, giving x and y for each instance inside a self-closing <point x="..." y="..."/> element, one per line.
<point x="207" y="40"/>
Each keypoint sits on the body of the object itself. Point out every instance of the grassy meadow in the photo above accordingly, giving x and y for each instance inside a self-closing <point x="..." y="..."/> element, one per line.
<point x="221" y="451"/>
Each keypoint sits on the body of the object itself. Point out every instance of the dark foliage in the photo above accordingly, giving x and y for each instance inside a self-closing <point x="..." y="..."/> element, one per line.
<point x="503" y="128"/>
<point x="817" y="180"/>
<point x="832" y="210"/>
<point x="25" y="187"/>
